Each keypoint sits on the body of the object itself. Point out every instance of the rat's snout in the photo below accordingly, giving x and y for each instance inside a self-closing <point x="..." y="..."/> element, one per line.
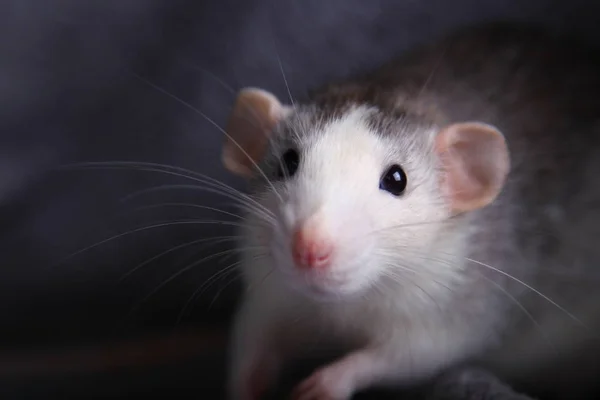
<point x="312" y="247"/>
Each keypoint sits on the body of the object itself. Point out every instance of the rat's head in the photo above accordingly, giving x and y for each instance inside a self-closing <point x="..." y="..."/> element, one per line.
<point x="357" y="196"/>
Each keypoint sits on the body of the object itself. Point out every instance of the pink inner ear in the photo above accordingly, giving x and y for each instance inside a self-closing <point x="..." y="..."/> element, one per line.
<point x="461" y="179"/>
<point x="475" y="164"/>
<point x="254" y="116"/>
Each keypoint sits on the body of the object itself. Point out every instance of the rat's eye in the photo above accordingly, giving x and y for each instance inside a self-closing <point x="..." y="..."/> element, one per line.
<point x="288" y="164"/>
<point x="393" y="180"/>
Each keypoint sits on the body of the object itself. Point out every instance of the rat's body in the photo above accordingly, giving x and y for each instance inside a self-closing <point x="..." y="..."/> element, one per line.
<point x="413" y="281"/>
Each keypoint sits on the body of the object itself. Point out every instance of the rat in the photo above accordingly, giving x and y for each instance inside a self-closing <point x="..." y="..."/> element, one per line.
<point x="439" y="211"/>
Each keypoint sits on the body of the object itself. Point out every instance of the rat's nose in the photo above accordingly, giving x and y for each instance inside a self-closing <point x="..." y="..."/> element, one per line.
<point x="311" y="250"/>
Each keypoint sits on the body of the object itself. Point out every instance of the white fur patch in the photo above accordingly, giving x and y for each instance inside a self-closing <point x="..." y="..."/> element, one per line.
<point x="377" y="236"/>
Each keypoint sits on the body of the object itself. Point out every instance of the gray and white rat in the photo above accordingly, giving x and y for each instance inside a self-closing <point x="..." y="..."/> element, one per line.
<point x="440" y="211"/>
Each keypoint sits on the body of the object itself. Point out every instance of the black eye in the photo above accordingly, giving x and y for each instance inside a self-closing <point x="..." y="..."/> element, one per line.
<point x="393" y="180"/>
<point x="288" y="164"/>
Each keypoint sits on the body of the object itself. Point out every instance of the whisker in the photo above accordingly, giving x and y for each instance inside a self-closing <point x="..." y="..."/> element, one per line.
<point x="527" y="230"/>
<point x="198" y="292"/>
<point x="407" y="225"/>
<point x="267" y="275"/>
<point x="417" y="273"/>
<point x="398" y="278"/>
<point x="287" y="86"/>
<point x="523" y="308"/>
<point x="250" y="207"/>
<point x="212" y="222"/>
<point x="217" y="126"/>
<point x="230" y="89"/>
<point x="541" y="232"/>
<point x="432" y="73"/>
<point x="130" y="232"/>
<point x="498" y="287"/>
<point x="212" y="240"/>
<point x="170" y="170"/>
<point x="206" y="284"/>
<point x="574" y="318"/>
<point x="378" y="287"/>
<point x="156" y="167"/>
<point x="222" y="289"/>
<point x="513" y="278"/>
<point x="191" y="205"/>
<point x="214" y="76"/>
<point x="221" y="272"/>
<point x="185" y="269"/>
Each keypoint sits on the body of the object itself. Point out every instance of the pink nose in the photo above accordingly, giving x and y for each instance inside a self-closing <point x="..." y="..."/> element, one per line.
<point x="311" y="251"/>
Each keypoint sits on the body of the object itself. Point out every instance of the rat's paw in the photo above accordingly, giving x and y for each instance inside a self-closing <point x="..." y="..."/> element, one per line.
<point x="329" y="383"/>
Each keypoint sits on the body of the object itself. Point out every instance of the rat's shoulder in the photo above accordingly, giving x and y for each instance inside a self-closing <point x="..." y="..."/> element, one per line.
<point x="492" y="46"/>
<point x="485" y="56"/>
<point x="502" y="73"/>
<point x="492" y="37"/>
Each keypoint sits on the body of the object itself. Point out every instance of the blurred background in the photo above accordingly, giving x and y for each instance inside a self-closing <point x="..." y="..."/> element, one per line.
<point x="93" y="301"/>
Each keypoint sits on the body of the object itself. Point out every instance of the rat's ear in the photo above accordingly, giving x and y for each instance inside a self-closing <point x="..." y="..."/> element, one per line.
<point x="475" y="163"/>
<point x="255" y="113"/>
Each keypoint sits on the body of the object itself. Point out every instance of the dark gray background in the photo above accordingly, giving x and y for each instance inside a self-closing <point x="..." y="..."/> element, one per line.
<point x="67" y="94"/>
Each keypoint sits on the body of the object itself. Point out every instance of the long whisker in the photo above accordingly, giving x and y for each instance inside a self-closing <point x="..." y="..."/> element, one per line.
<point x="287" y="86"/>
<point x="267" y="275"/>
<point x="205" y="285"/>
<point x="392" y="275"/>
<point x="185" y="269"/>
<point x="248" y="106"/>
<point x="212" y="240"/>
<point x="222" y="289"/>
<point x="522" y="307"/>
<point x="157" y="167"/>
<point x="230" y="89"/>
<point x="530" y="288"/>
<point x="198" y="292"/>
<point x="434" y="70"/>
<point x="449" y="220"/>
<point x="420" y="273"/>
<point x="221" y="272"/>
<point x="213" y="187"/>
<point x="169" y="170"/>
<point x="504" y="292"/>
<point x="262" y="218"/>
<point x="130" y="232"/>
<point x="237" y="224"/>
<point x="191" y="205"/>
<point x="515" y="279"/>
<point x="214" y="76"/>
<point x="406" y="225"/>
<point x="217" y="126"/>
<point x="250" y="207"/>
